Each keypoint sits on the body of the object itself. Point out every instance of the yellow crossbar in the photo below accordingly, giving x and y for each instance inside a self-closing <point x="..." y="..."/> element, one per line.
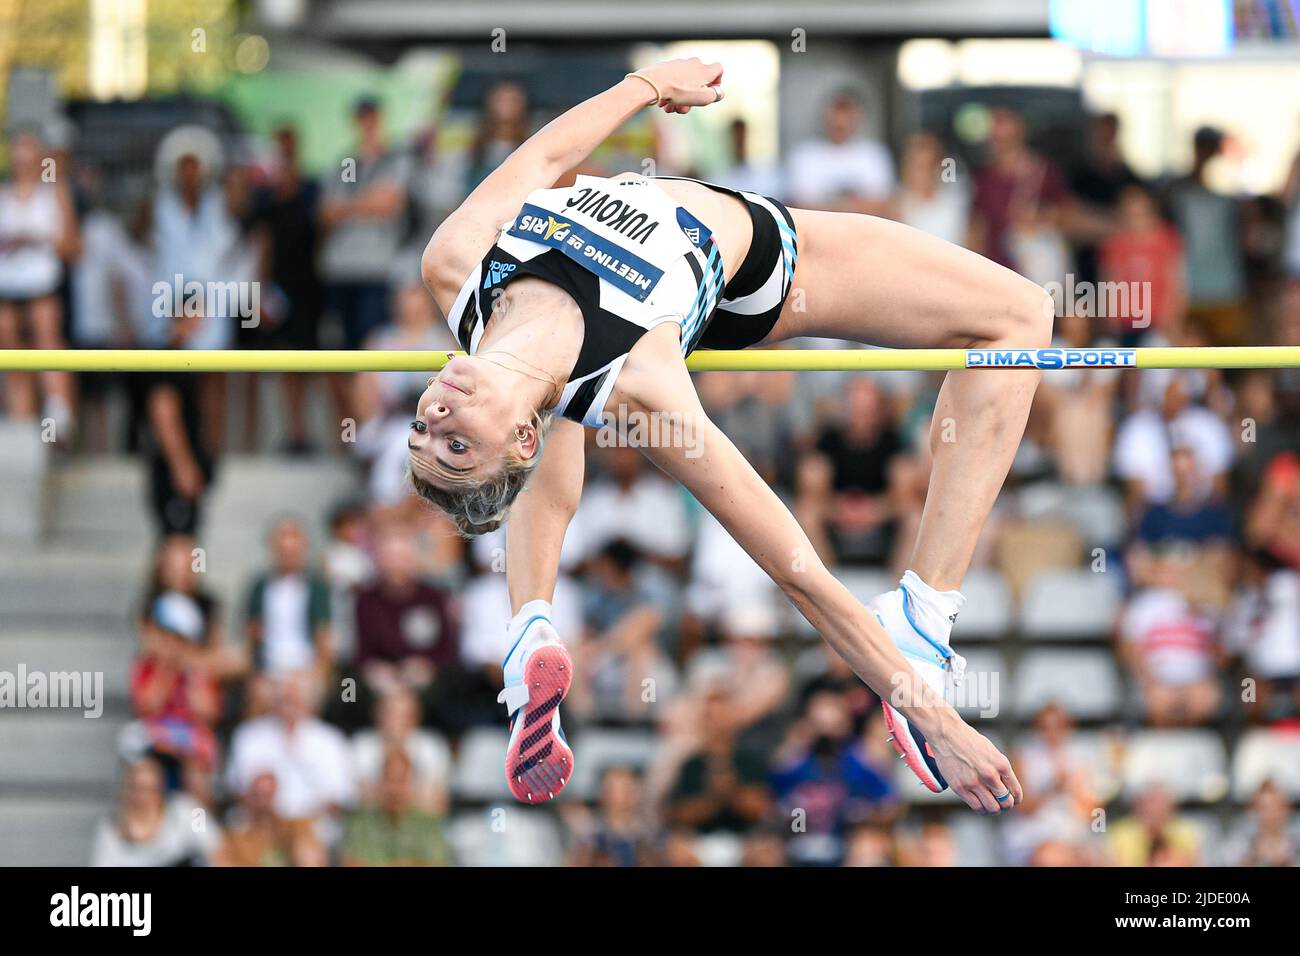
<point x="180" y="360"/>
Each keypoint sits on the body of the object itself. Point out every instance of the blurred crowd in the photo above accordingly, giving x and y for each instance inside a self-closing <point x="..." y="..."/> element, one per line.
<point x="334" y="713"/>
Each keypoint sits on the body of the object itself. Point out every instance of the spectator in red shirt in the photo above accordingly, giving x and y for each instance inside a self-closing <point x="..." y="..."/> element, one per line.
<point x="407" y="632"/>
<point x="1273" y="517"/>
<point x="1145" y="249"/>
<point x="1171" y="646"/>
<point x="173" y="690"/>
<point x="1020" y="202"/>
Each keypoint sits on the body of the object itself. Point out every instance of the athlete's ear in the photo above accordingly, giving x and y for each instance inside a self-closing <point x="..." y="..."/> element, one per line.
<point x="526" y="436"/>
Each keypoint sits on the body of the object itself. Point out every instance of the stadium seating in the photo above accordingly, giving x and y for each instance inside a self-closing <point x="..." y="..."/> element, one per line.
<point x="1095" y="511"/>
<point x="989" y="613"/>
<point x="603" y="749"/>
<point x="1191" y="764"/>
<point x="1263" y="755"/>
<point x="1209" y="831"/>
<point x="480" y="768"/>
<point x="864" y="584"/>
<point x="1070" y="604"/>
<point x="506" y="835"/>
<point x="22" y="469"/>
<point x="1025" y="549"/>
<point x="987" y="680"/>
<point x="1085" y="682"/>
<point x="977" y="841"/>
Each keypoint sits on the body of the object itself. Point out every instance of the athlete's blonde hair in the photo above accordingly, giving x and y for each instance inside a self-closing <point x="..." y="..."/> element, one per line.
<point x="479" y="505"/>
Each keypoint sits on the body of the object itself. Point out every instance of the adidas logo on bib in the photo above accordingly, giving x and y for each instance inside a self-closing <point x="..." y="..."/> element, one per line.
<point x="497" y="271"/>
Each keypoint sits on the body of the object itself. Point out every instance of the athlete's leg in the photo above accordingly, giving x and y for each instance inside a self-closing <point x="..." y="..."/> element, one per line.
<point x="879" y="282"/>
<point x="537" y="673"/>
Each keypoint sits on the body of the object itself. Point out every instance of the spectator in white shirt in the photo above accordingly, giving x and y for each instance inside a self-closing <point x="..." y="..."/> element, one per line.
<point x="37" y="229"/>
<point x="484" y="643"/>
<point x="930" y="195"/>
<point x="723" y="575"/>
<point x="637" y="505"/>
<point x="397" y="727"/>
<point x="310" y="759"/>
<point x="844" y="171"/>
<point x="1146" y="440"/>
<point x="1264" y="630"/>
<point x="288" y="607"/>
<point x="151" y="828"/>
<point x="486" y="602"/>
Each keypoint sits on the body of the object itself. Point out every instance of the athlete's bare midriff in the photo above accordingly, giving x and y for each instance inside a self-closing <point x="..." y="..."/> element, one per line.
<point x="725" y="215"/>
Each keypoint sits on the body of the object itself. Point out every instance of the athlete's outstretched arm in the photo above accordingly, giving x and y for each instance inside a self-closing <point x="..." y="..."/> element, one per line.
<point x="712" y="468"/>
<point x="466" y="235"/>
<point x="541" y="514"/>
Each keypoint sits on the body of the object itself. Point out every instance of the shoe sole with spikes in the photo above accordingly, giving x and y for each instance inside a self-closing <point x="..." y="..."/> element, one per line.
<point x="913" y="750"/>
<point x="539" y="763"/>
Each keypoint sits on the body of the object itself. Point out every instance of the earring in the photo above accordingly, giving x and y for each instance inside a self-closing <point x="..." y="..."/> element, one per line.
<point x="521" y="434"/>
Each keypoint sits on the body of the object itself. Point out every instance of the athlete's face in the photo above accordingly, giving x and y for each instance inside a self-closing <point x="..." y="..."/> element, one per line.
<point x="465" y="423"/>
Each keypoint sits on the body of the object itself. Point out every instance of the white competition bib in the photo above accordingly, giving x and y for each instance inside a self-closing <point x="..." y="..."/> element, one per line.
<point x="626" y="232"/>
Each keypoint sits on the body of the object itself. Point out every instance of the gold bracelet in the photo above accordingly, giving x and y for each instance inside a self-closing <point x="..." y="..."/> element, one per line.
<point x="641" y="76"/>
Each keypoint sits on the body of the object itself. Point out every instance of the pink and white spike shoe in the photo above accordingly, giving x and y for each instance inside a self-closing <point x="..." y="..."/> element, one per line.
<point x="538" y="673"/>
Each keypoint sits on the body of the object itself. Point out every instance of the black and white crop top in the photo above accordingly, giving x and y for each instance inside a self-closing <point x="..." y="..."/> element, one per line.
<point x="628" y="255"/>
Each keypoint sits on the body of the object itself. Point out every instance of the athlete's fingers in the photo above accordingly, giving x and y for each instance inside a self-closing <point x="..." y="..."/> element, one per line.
<point x="986" y="799"/>
<point x="1002" y="779"/>
<point x="970" y="798"/>
<point x="1012" y="783"/>
<point x="992" y="779"/>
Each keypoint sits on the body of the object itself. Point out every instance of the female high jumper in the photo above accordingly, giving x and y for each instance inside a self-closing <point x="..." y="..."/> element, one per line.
<point x="583" y="301"/>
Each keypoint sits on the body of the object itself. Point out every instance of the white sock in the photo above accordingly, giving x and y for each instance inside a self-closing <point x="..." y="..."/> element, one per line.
<point x="936" y="611"/>
<point x="532" y="609"/>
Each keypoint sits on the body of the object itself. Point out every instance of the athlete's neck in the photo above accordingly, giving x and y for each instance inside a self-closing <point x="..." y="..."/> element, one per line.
<point x="540" y="325"/>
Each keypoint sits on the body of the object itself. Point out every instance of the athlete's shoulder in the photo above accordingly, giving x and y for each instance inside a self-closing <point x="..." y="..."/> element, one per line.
<point x="453" y="254"/>
<point x="654" y="376"/>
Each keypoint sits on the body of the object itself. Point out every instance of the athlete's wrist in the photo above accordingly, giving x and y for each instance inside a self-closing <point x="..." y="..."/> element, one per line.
<point x="649" y="89"/>
<point x="936" y="719"/>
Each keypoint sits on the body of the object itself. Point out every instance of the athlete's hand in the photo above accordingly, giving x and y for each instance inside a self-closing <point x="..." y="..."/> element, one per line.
<point x="976" y="771"/>
<point x="686" y="83"/>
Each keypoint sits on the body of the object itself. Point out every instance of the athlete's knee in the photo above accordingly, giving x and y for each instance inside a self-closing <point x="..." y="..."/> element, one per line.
<point x="1027" y="321"/>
